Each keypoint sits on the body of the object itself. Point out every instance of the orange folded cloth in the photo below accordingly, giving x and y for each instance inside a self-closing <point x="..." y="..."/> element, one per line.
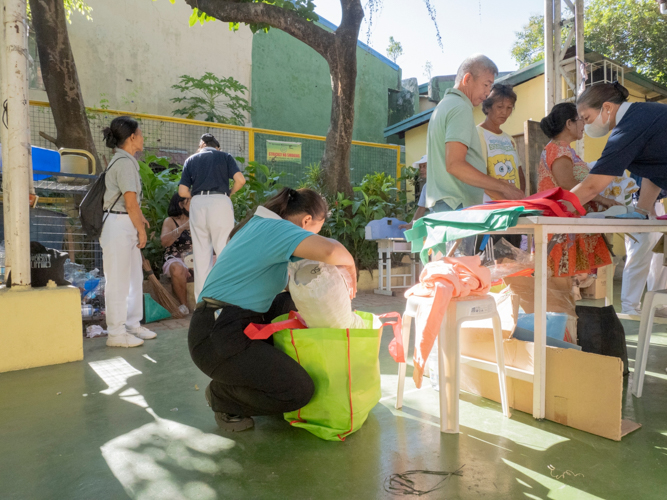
<point x="443" y="280"/>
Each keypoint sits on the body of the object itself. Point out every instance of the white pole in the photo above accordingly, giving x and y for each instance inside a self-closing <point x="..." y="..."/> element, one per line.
<point x="558" y="57"/>
<point x="4" y="136"/>
<point x="579" y="40"/>
<point x="18" y="167"/>
<point x="548" y="55"/>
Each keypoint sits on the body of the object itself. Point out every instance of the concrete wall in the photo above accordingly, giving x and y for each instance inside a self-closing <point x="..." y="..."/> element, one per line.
<point x="134" y="51"/>
<point x="40" y="327"/>
<point x="292" y="88"/>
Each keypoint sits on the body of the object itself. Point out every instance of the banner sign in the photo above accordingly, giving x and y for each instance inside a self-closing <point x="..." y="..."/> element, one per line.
<point x="283" y="151"/>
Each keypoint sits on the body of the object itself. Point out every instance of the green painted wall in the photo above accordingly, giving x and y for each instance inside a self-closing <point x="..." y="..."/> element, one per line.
<point x="291" y="88"/>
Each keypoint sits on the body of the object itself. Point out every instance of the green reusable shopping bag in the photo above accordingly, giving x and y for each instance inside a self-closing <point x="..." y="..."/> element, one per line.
<point x="345" y="369"/>
<point x="434" y="230"/>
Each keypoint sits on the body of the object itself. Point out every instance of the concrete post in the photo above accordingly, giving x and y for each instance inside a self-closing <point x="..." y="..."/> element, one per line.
<point x="579" y="40"/>
<point x="558" y="56"/>
<point x="17" y="169"/>
<point x="548" y="56"/>
<point x="4" y="134"/>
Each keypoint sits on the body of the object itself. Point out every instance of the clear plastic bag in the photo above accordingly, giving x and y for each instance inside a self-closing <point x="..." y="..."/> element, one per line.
<point x="508" y="260"/>
<point x="321" y="295"/>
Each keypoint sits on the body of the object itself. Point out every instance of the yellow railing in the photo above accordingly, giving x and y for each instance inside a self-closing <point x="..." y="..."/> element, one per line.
<point x="250" y="131"/>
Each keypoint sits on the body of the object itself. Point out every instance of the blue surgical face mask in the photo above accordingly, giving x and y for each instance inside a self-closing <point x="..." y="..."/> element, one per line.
<point x="597" y="128"/>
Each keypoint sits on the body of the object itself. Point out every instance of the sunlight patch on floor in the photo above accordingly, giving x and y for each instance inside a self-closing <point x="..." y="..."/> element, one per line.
<point x="114" y="372"/>
<point x="489" y="420"/>
<point x="558" y="490"/>
<point x="144" y="461"/>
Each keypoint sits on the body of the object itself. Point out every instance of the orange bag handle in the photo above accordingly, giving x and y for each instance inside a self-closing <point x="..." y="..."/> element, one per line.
<point x="396" y="348"/>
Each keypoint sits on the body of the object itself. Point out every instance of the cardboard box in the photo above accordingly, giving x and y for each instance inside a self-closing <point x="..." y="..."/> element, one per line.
<point x="583" y="390"/>
<point x="598" y="290"/>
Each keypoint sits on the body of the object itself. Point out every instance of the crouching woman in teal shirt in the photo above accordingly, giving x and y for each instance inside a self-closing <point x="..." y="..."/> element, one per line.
<point x="251" y="377"/>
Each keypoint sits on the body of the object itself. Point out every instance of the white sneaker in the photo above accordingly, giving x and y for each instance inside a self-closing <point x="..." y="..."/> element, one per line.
<point x="184" y="309"/>
<point x="632" y="312"/>
<point x="123" y="340"/>
<point x="142" y="332"/>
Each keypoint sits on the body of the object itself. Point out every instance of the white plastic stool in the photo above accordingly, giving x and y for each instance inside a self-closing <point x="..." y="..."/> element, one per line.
<point x="652" y="301"/>
<point x="471" y="308"/>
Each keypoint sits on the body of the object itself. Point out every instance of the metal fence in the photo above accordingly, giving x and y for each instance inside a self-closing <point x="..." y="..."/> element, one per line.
<point x="178" y="138"/>
<point x="55" y="222"/>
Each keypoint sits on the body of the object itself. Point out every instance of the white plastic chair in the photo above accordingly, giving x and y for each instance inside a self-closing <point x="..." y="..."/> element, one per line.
<point x="652" y="301"/>
<point x="471" y="308"/>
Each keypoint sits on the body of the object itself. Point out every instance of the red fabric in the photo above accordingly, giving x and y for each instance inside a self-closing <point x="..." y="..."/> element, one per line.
<point x="550" y="202"/>
<point x="443" y="280"/>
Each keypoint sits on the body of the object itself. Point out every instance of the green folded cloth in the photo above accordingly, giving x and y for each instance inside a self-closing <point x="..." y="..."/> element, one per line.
<point x="435" y="230"/>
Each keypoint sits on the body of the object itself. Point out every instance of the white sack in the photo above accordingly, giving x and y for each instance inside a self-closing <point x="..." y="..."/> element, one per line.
<point x="321" y="295"/>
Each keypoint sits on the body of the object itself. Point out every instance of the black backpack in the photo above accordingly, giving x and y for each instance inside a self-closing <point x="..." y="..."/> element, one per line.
<point x="91" y="209"/>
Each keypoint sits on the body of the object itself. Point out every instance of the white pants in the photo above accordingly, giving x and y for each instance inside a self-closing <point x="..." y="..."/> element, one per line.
<point x="123" y="273"/>
<point x="211" y="221"/>
<point x="642" y="267"/>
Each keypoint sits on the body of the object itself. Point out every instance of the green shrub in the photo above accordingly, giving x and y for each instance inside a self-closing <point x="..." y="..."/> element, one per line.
<point x="158" y="188"/>
<point x="376" y="197"/>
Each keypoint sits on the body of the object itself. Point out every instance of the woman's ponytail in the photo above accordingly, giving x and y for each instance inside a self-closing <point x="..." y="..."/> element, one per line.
<point x="119" y="130"/>
<point x="289" y="202"/>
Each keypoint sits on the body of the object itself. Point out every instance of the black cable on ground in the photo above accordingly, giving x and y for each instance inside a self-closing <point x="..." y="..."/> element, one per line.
<point x="404" y="483"/>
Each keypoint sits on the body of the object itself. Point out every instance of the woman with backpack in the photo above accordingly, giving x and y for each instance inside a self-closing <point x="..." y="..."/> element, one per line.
<point x="123" y="236"/>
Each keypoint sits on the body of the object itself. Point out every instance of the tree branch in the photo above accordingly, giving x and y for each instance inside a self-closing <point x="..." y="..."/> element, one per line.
<point x="254" y="13"/>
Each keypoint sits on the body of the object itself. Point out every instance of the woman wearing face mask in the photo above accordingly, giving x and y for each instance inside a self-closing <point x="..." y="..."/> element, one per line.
<point x="560" y="166"/>
<point x="638" y="143"/>
<point x="251" y="377"/>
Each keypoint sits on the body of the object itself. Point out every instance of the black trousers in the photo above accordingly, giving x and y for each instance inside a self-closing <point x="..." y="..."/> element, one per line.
<point x="250" y="377"/>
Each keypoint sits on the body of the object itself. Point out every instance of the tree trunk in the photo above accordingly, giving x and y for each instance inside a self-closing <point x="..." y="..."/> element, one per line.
<point x="340" y="51"/>
<point x="60" y="77"/>
<point x="343" y="68"/>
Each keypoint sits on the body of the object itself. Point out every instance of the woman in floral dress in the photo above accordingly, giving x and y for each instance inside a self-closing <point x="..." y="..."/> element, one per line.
<point x="561" y="167"/>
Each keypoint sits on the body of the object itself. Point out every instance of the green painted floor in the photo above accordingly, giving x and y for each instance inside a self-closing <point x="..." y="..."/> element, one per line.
<point x="130" y="424"/>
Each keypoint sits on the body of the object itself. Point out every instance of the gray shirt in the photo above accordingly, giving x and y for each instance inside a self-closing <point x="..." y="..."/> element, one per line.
<point x="122" y="176"/>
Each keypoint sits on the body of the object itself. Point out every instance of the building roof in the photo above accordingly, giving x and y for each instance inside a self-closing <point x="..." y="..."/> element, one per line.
<point x="329" y="25"/>
<point x="517" y="78"/>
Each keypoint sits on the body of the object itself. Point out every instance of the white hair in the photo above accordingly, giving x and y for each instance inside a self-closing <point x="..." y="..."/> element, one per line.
<point x="475" y="65"/>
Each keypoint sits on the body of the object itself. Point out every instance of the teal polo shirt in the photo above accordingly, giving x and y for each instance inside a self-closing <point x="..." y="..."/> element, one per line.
<point x="252" y="268"/>
<point x="452" y="121"/>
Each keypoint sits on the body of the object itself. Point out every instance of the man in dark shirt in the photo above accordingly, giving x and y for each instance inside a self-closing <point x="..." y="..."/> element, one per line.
<point x="205" y="178"/>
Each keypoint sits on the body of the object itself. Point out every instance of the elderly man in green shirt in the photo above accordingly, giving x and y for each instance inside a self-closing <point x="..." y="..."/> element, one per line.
<point x="456" y="170"/>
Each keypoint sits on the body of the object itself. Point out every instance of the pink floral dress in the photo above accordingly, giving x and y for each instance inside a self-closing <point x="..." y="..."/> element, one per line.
<point x="572" y="254"/>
